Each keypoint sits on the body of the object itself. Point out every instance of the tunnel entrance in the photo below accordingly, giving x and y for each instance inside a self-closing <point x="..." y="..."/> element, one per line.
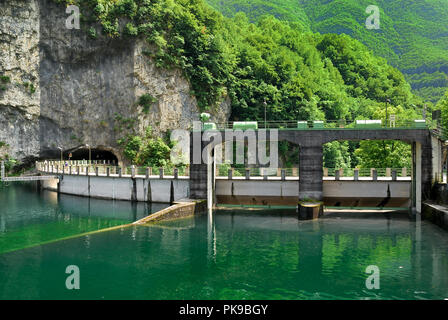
<point x="95" y="154"/>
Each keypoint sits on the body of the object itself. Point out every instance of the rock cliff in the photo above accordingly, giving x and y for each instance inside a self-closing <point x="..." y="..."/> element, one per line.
<point x="60" y="87"/>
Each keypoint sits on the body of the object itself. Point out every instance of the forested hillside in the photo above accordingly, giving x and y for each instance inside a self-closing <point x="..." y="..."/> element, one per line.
<point x="413" y="35"/>
<point x="299" y="74"/>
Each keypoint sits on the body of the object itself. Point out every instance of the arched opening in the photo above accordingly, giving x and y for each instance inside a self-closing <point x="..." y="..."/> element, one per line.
<point x="94" y="154"/>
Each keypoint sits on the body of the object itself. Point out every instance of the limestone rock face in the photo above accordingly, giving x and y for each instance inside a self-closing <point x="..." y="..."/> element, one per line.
<point x="19" y="85"/>
<point x="85" y="91"/>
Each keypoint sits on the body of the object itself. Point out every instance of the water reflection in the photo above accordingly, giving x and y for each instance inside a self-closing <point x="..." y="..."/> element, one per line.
<point x="29" y="216"/>
<point x="238" y="255"/>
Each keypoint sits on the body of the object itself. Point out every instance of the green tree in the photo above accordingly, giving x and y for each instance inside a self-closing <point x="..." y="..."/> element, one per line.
<point x="443" y="106"/>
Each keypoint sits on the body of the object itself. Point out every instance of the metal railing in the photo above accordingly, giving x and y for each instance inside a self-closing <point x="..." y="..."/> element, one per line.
<point x="367" y="172"/>
<point x="336" y="124"/>
<point x="83" y="167"/>
<point x="223" y="170"/>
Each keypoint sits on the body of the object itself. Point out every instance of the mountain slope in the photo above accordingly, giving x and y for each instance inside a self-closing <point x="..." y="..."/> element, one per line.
<point x="413" y="35"/>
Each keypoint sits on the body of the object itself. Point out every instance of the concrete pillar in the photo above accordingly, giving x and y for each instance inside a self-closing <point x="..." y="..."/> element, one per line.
<point x="337" y="175"/>
<point x="374" y="175"/>
<point x="388" y="172"/>
<point x="161" y="173"/>
<point x="283" y="174"/>
<point x="310" y="170"/>
<point x="230" y="174"/>
<point x="211" y="172"/>
<point x="198" y="169"/>
<point x="404" y="172"/>
<point x="417" y="153"/>
<point x="279" y="172"/>
<point x="325" y="172"/>
<point x="356" y="174"/>
<point x="247" y="174"/>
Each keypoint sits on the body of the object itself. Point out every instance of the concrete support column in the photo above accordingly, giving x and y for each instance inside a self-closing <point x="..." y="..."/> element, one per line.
<point x="388" y="172"/>
<point x="417" y="176"/>
<point x="198" y="169"/>
<point x="310" y="170"/>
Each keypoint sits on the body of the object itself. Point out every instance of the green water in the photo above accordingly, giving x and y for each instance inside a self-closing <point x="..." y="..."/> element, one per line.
<point x="234" y="255"/>
<point x="29" y="217"/>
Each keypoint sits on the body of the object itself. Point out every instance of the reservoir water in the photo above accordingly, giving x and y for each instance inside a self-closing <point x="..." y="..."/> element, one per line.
<point x="228" y="255"/>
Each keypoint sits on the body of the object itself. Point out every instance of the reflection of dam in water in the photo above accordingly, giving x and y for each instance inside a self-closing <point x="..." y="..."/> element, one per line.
<point x="130" y="211"/>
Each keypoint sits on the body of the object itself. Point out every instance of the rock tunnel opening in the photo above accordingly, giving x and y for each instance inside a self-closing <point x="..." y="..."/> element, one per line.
<point x="93" y="154"/>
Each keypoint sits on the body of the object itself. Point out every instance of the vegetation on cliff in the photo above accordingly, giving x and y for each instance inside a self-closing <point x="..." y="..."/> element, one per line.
<point x="413" y="35"/>
<point x="443" y="105"/>
<point x="300" y="75"/>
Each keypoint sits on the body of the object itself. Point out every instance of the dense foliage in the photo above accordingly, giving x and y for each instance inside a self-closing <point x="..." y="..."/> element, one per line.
<point x="148" y="151"/>
<point x="413" y="35"/>
<point x="443" y="105"/>
<point x="300" y="75"/>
